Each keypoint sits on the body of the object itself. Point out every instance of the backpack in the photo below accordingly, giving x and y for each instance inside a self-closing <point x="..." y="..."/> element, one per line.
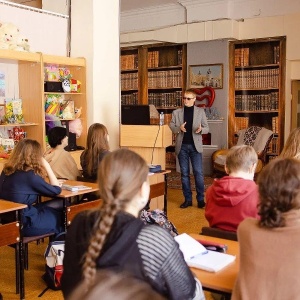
<point x="54" y="256"/>
<point x="157" y="216"/>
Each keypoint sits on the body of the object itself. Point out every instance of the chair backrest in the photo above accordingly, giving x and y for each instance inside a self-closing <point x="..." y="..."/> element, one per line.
<point x="74" y="209"/>
<point x="219" y="233"/>
<point x="9" y="233"/>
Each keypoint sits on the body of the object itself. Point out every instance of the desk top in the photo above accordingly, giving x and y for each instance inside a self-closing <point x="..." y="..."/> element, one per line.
<point x="7" y="206"/>
<point x="67" y="194"/>
<point x="223" y="280"/>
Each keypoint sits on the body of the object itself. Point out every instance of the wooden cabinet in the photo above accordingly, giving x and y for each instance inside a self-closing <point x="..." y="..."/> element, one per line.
<point x="30" y="84"/>
<point x="256" y="88"/>
<point x="153" y="74"/>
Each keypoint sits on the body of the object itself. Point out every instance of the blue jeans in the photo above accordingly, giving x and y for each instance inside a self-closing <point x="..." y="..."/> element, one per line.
<point x="189" y="153"/>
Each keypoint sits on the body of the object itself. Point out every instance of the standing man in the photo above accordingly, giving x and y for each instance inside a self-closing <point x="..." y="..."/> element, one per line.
<point x="189" y="123"/>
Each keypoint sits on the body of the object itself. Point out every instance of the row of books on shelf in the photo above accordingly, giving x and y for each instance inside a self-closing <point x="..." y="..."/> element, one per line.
<point x="129" y="81"/>
<point x="129" y="62"/>
<point x="172" y="99"/>
<point x="257" y="79"/>
<point x="273" y="146"/>
<point x="243" y="123"/>
<point x="275" y="124"/>
<point x="276" y="54"/>
<point x="167" y="61"/>
<point x="153" y="59"/>
<point x="240" y="123"/>
<point x="129" y="99"/>
<point x="165" y="79"/>
<point x="241" y="56"/>
<point x="257" y="102"/>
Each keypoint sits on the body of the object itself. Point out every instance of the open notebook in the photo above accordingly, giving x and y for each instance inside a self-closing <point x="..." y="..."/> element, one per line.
<point x="197" y="256"/>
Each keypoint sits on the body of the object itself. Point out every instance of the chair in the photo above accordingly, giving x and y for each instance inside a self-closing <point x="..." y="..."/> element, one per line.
<point x="219" y="233"/>
<point x="257" y="137"/>
<point x="74" y="209"/>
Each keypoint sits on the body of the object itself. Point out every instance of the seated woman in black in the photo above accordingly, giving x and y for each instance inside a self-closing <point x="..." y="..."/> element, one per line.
<point x="96" y="148"/>
<point x="23" y="181"/>
<point x="113" y="237"/>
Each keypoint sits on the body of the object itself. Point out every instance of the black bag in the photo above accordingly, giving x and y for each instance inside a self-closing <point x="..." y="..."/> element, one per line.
<point x="157" y="216"/>
<point x="54" y="256"/>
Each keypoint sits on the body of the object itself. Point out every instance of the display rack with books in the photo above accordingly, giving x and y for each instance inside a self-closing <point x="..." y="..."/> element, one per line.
<point x="67" y="105"/>
<point x="256" y="88"/>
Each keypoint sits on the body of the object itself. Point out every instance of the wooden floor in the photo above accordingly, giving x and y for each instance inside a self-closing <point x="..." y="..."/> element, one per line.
<point x="189" y="220"/>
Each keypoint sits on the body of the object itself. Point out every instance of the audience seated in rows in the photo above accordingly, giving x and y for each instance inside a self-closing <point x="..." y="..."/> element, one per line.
<point x="232" y="198"/>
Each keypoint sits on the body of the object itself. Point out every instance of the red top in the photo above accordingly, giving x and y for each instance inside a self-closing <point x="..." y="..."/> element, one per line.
<point x="229" y="201"/>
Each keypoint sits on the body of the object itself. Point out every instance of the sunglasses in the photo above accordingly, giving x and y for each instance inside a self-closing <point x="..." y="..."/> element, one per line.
<point x="187" y="98"/>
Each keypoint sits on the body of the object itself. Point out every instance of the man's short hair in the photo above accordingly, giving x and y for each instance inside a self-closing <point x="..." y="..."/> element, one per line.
<point x="240" y="158"/>
<point x="191" y="91"/>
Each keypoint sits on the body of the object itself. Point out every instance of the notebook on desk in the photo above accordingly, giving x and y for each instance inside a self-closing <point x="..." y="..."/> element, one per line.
<point x="197" y="256"/>
<point x="75" y="188"/>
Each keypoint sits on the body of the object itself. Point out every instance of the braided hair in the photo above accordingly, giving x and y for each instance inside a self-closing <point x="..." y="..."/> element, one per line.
<point x="120" y="177"/>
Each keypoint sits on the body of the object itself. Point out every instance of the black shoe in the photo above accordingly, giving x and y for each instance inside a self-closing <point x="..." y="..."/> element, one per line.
<point x="201" y="204"/>
<point x="185" y="204"/>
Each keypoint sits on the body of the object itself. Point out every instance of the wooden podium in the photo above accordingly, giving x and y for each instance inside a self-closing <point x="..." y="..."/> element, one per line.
<point x="149" y="141"/>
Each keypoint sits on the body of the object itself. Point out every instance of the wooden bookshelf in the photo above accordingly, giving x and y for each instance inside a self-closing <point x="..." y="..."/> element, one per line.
<point x="256" y="88"/>
<point x="30" y="68"/>
<point x="153" y="74"/>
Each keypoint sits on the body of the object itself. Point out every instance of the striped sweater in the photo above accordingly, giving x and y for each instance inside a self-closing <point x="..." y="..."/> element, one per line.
<point x="146" y="252"/>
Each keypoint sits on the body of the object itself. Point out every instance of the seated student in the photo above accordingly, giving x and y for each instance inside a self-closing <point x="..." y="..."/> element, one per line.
<point x="291" y="148"/>
<point x="113" y="237"/>
<point x="110" y="285"/>
<point x="61" y="161"/>
<point x="23" y="180"/>
<point x="232" y="198"/>
<point x="269" y="254"/>
<point x="96" y="148"/>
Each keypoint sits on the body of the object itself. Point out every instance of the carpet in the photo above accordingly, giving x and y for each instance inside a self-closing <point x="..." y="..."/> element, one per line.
<point x="174" y="181"/>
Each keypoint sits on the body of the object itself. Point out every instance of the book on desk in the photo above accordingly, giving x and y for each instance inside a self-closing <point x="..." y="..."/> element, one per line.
<point x="75" y="188"/>
<point x="197" y="256"/>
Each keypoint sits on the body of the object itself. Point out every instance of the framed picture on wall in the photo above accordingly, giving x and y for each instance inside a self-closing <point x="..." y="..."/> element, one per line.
<point x="206" y="75"/>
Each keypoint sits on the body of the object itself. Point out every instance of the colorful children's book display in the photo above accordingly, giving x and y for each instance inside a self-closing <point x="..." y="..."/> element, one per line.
<point x="13" y="111"/>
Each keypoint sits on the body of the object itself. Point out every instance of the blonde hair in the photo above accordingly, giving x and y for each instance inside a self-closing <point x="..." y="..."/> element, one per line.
<point x="191" y="91"/>
<point x="27" y="155"/>
<point x="291" y="148"/>
<point x="240" y="158"/>
<point x="120" y="177"/>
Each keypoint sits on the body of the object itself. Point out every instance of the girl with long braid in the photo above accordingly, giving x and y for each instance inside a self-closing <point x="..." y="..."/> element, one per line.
<point x="114" y="238"/>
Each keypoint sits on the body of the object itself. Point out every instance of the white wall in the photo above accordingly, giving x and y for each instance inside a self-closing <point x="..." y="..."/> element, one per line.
<point x="95" y="35"/>
<point x="47" y="32"/>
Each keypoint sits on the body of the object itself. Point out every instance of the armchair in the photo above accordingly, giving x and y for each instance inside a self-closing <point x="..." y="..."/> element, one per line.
<point x="257" y="137"/>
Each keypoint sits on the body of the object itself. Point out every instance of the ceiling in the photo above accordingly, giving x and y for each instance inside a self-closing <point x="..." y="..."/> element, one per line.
<point x="126" y="5"/>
